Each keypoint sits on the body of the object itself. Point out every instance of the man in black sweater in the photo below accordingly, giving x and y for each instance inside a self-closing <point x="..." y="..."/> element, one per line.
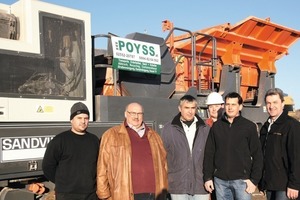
<point x="70" y="159"/>
<point x="280" y="140"/>
<point x="233" y="157"/>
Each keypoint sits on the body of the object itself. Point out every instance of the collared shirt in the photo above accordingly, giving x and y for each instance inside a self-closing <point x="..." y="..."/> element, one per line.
<point x="271" y="121"/>
<point x="190" y="132"/>
<point x="140" y="131"/>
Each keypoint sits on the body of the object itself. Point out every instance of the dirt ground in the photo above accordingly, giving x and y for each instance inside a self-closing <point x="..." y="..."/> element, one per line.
<point x="49" y="196"/>
<point x="257" y="196"/>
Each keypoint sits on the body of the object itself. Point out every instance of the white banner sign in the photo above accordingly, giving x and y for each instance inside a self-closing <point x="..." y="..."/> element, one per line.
<point x="23" y="148"/>
<point x="136" y="56"/>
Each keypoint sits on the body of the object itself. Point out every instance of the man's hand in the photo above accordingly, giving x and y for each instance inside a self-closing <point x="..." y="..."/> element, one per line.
<point x="209" y="186"/>
<point x="292" y="193"/>
<point x="250" y="186"/>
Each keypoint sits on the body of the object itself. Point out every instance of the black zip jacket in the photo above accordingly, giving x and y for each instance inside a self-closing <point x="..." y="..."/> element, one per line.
<point x="233" y="151"/>
<point x="281" y="149"/>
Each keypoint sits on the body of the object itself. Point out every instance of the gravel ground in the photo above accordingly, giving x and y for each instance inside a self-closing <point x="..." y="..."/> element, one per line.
<point x="257" y="196"/>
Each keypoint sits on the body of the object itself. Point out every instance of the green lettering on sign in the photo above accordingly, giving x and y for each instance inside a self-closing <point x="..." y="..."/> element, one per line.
<point x="136" y="56"/>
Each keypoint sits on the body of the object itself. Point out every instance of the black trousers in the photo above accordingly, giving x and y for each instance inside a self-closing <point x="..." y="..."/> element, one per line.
<point x="144" y="196"/>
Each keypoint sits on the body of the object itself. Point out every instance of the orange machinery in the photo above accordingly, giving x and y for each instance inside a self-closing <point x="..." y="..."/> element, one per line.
<point x="229" y="57"/>
<point x="224" y="58"/>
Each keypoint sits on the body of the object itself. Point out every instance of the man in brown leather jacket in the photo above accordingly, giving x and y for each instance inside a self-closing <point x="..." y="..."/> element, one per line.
<point x="132" y="160"/>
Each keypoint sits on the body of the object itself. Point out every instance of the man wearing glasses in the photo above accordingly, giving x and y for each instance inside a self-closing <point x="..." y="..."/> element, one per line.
<point x="132" y="160"/>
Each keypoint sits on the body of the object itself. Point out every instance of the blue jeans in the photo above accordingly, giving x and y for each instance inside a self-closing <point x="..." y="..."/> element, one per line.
<point x="276" y="195"/>
<point x="231" y="190"/>
<point x="189" y="197"/>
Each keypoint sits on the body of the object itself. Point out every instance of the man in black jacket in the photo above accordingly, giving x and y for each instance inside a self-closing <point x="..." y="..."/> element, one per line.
<point x="233" y="158"/>
<point x="280" y="139"/>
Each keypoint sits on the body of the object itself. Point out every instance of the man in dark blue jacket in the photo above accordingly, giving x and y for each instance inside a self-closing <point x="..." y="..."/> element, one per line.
<point x="184" y="139"/>
<point x="233" y="158"/>
<point x="280" y="139"/>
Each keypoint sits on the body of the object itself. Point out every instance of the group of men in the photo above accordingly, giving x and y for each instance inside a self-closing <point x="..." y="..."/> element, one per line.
<point x="189" y="160"/>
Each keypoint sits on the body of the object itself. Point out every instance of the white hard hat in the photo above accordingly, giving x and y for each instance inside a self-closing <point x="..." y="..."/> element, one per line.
<point x="214" y="98"/>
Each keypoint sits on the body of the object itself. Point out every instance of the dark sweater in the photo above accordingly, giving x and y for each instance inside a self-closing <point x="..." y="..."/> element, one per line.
<point x="143" y="177"/>
<point x="70" y="161"/>
<point x="233" y="151"/>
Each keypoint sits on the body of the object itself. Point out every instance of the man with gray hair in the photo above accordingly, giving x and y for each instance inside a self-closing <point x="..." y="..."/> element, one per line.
<point x="184" y="138"/>
<point x="280" y="140"/>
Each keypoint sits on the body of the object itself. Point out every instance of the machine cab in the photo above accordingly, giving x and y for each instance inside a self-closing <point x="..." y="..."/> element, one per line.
<point x="45" y="61"/>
